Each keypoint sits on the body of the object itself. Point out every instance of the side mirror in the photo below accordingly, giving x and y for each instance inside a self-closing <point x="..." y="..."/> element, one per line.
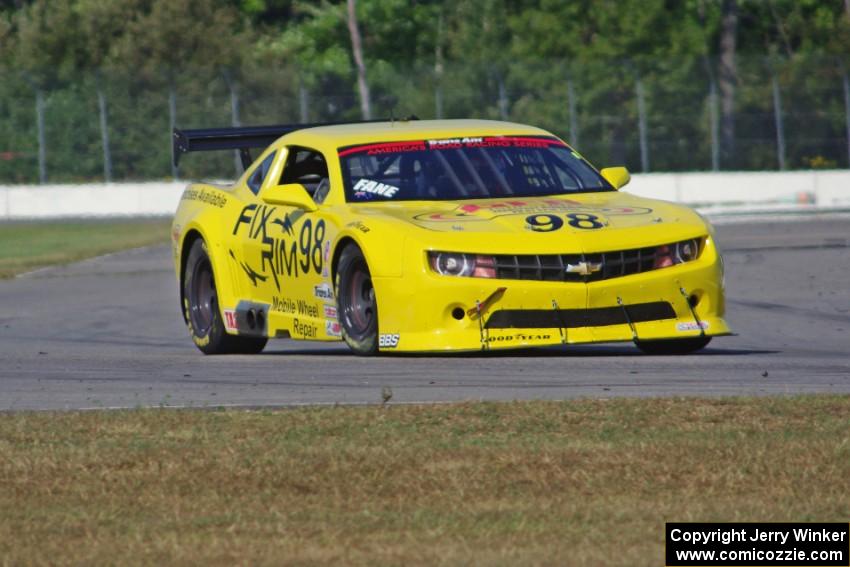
<point x="617" y="176"/>
<point x="292" y="194"/>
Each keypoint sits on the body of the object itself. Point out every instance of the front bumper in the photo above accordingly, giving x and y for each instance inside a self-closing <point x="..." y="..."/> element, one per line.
<point x="423" y="309"/>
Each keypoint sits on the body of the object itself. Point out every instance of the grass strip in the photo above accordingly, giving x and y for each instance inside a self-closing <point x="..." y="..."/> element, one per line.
<point x="27" y="246"/>
<point x="579" y="482"/>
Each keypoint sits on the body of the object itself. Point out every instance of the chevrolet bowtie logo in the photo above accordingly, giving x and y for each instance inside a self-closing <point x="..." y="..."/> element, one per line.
<point x="584" y="268"/>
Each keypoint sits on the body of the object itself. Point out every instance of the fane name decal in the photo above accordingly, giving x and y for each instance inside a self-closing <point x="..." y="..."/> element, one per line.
<point x="375" y="187"/>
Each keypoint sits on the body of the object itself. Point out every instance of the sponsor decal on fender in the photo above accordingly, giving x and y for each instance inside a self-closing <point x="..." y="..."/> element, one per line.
<point x="359" y="225"/>
<point x="330" y="311"/>
<point x="230" y="320"/>
<point x="327" y="256"/>
<point x="692" y="326"/>
<point x="299" y="307"/>
<point x="323" y="291"/>
<point x="282" y="252"/>
<point x="204" y="196"/>
<point x="388" y="341"/>
<point x="283" y="305"/>
<point x="304" y="330"/>
<point x="332" y="329"/>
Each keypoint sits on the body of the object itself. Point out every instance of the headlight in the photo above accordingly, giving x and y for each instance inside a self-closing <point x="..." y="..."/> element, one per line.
<point x="677" y="253"/>
<point x="687" y="250"/>
<point x="465" y="265"/>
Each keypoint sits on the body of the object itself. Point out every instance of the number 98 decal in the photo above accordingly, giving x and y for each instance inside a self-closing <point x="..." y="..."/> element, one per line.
<point x="550" y="223"/>
<point x="544" y="223"/>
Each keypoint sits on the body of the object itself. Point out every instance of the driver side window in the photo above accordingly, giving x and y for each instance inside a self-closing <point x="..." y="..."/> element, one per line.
<point x="307" y="167"/>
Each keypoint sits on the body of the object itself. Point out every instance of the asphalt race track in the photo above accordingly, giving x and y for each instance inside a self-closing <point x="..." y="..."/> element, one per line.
<point x="108" y="333"/>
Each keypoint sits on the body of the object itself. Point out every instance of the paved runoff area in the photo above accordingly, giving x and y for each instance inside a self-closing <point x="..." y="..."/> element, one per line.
<point x="108" y="333"/>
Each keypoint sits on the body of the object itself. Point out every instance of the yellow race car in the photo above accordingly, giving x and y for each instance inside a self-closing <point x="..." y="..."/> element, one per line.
<point x="431" y="236"/>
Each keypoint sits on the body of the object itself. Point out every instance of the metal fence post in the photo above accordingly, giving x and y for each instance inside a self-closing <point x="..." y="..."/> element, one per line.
<point x="780" y="130"/>
<point x="571" y="103"/>
<point x="42" y="144"/>
<point x="234" y="105"/>
<point x="438" y="69"/>
<point x="303" y="103"/>
<point x="503" y="99"/>
<point x="234" y="110"/>
<point x="715" y="124"/>
<point x="172" y="123"/>
<point x="642" y="128"/>
<point x="846" y="82"/>
<point x="104" y="133"/>
<point x="234" y="113"/>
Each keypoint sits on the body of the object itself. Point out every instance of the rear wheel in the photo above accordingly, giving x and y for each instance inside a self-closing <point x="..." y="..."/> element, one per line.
<point x="356" y="302"/>
<point x="674" y="346"/>
<point x="201" y="310"/>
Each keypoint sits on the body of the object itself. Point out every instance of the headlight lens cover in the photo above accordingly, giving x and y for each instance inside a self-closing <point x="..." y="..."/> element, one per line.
<point x="464" y="265"/>
<point x="687" y="250"/>
<point x="677" y="253"/>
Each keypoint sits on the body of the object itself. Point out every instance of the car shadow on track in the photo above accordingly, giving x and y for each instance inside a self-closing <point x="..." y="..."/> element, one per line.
<point x="579" y="352"/>
<point x="626" y="350"/>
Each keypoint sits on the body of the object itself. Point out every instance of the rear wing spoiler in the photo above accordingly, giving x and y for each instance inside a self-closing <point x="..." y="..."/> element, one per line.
<point x="236" y="138"/>
<point x="242" y="138"/>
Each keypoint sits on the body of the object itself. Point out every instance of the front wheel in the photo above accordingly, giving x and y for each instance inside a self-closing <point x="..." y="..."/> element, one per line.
<point x="356" y="302"/>
<point x="673" y="346"/>
<point x="201" y="310"/>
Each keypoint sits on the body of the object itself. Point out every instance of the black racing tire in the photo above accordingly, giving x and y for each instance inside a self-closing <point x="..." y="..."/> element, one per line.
<point x="201" y="309"/>
<point x="674" y="346"/>
<point x="357" y="305"/>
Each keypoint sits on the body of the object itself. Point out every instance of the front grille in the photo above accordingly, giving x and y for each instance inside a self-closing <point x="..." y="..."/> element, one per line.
<point x="553" y="267"/>
<point x="572" y="318"/>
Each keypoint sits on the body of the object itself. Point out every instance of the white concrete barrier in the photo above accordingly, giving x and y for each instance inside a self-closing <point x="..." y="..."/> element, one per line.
<point x="97" y="200"/>
<point x="820" y="188"/>
<point x="707" y="191"/>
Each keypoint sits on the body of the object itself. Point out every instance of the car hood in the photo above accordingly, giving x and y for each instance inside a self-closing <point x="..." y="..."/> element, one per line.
<point x="587" y="221"/>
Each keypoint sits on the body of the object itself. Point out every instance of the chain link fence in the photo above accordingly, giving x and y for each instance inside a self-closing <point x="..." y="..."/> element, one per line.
<point x="649" y="114"/>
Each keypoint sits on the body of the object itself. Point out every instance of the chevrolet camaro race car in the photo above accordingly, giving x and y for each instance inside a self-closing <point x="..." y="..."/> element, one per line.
<point x="411" y="235"/>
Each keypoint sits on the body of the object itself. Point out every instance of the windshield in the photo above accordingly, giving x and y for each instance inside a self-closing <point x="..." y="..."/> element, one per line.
<point x="465" y="168"/>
